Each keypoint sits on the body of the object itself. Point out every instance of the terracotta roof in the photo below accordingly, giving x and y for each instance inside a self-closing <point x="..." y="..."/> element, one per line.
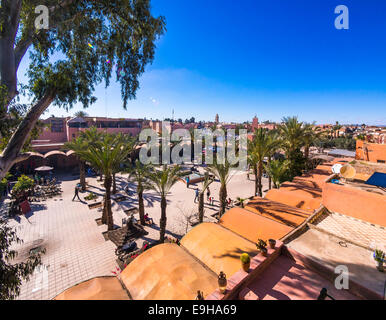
<point x="217" y="247"/>
<point x="101" y="288"/>
<point x="167" y="272"/>
<point x="277" y="211"/>
<point x="252" y="226"/>
<point x="295" y="198"/>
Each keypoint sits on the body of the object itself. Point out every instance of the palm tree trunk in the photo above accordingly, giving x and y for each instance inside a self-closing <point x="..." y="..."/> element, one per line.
<point x="82" y="175"/>
<point x="223" y="198"/>
<point x="141" y="208"/>
<point x="256" y="182"/>
<point x="306" y="152"/>
<point x="114" y="184"/>
<point x="269" y="176"/>
<point x="162" y="222"/>
<point x="260" y="173"/>
<point x="108" y="219"/>
<point x="306" y="155"/>
<point x="201" y="207"/>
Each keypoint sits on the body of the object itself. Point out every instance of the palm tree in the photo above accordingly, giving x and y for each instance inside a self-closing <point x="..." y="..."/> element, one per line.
<point x="161" y="181"/>
<point x="336" y="129"/>
<point x="261" y="146"/>
<point x="274" y="143"/>
<point x="223" y="173"/>
<point x="311" y="134"/>
<point x="130" y="143"/>
<point x="277" y="170"/>
<point x="81" y="143"/>
<point x="139" y="173"/>
<point x="93" y="137"/>
<point x="205" y="184"/>
<point x="81" y="114"/>
<point x="78" y="145"/>
<point x="103" y="156"/>
<point x="292" y="133"/>
<point x="241" y="201"/>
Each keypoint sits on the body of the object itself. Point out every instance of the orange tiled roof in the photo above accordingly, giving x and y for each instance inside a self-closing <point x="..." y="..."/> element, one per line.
<point x="277" y="211"/>
<point x="217" y="247"/>
<point x="167" y="272"/>
<point x="252" y="226"/>
<point x="294" y="199"/>
<point x="101" y="288"/>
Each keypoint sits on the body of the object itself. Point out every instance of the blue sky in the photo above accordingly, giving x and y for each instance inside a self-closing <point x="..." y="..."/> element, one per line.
<point x="267" y="58"/>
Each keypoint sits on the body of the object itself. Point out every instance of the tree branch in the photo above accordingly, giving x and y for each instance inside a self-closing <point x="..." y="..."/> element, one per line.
<point x="23" y="45"/>
<point x="12" y="152"/>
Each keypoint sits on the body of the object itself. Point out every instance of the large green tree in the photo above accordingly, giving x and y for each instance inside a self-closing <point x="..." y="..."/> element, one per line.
<point x="86" y="43"/>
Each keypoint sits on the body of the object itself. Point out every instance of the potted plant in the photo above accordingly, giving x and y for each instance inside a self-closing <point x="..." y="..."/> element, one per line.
<point x="379" y="257"/>
<point x="240" y="202"/>
<point x="245" y="261"/>
<point x="262" y="247"/>
<point x="272" y="243"/>
<point x="222" y="282"/>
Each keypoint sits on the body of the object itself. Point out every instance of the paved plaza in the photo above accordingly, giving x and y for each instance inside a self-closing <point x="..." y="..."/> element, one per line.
<point x="75" y="247"/>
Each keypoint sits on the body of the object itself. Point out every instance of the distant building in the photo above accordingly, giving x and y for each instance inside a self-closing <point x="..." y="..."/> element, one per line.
<point x="255" y="123"/>
<point x="373" y="152"/>
<point x="216" y="120"/>
<point x="61" y="130"/>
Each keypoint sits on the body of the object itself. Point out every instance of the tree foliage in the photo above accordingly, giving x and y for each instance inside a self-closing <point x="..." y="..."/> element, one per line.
<point x="161" y="181"/>
<point x="12" y="274"/>
<point x="278" y="171"/>
<point x="105" y="152"/>
<point x="88" y="42"/>
<point x="138" y="173"/>
<point x="223" y="172"/>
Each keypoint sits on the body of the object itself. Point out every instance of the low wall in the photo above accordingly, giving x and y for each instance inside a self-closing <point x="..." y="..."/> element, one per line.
<point x="242" y="279"/>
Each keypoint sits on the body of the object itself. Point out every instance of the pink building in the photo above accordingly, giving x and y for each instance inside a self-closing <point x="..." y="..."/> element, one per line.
<point x="61" y="130"/>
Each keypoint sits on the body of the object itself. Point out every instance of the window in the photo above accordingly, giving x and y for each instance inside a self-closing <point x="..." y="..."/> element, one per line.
<point x="57" y="125"/>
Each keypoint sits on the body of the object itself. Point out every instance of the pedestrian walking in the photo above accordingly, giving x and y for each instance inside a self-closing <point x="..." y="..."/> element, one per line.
<point x="208" y="194"/>
<point x="196" y="195"/>
<point x="187" y="182"/>
<point x="76" y="193"/>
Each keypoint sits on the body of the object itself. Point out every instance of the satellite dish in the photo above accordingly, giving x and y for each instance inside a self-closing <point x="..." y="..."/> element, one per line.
<point x="348" y="171"/>
<point x="336" y="168"/>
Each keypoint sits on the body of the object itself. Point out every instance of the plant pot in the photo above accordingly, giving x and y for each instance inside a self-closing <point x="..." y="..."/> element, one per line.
<point x="264" y="252"/>
<point x="380" y="266"/>
<point x="246" y="266"/>
<point x="272" y="243"/>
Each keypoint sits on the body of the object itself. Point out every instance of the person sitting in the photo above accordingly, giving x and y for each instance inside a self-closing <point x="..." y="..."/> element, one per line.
<point x="148" y="219"/>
